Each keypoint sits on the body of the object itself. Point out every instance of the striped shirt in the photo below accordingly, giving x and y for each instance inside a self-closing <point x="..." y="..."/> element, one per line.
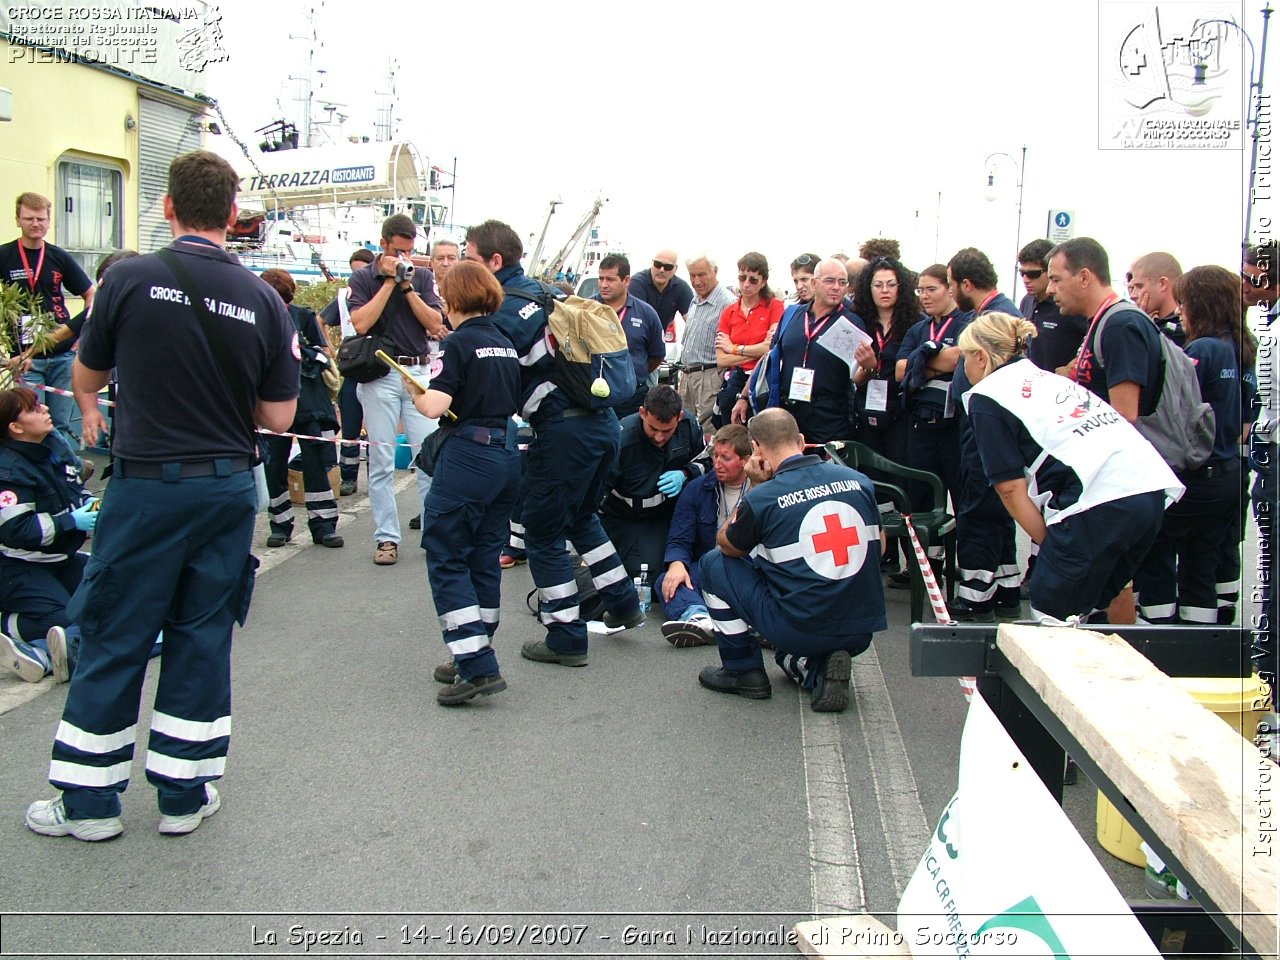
<point x="701" y="324"/>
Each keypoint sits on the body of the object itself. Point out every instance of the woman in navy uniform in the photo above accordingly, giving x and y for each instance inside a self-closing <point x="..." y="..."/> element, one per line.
<point x="44" y="516"/>
<point x="316" y="418"/>
<point x="1070" y="470"/>
<point x="475" y="481"/>
<point x="1178" y="581"/>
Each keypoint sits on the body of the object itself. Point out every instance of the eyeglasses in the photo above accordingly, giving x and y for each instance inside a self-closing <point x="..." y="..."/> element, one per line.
<point x="1258" y="281"/>
<point x="748" y="278"/>
<point x="835" y="281"/>
<point x="932" y="291"/>
<point x="804" y="260"/>
<point x="1031" y="274"/>
<point x="885" y="285"/>
<point x="659" y="265"/>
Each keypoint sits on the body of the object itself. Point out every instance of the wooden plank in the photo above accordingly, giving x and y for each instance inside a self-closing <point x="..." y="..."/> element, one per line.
<point x="1204" y="790"/>
<point x="859" y="937"/>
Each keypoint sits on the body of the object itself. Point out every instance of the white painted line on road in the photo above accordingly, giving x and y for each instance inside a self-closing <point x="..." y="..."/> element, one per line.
<point x="906" y="831"/>
<point x="835" y="873"/>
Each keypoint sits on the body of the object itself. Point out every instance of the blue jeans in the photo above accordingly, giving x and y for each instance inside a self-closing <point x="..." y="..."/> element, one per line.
<point x="55" y="371"/>
<point x="386" y="404"/>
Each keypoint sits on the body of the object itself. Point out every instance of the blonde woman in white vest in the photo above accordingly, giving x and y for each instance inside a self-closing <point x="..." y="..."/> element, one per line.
<point x="1071" y="471"/>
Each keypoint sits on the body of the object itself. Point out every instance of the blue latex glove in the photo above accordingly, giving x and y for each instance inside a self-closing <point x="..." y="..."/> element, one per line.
<point x="85" y="516"/>
<point x="671" y="482"/>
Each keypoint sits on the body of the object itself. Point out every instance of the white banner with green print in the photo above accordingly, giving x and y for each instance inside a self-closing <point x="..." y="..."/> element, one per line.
<point x="1006" y="874"/>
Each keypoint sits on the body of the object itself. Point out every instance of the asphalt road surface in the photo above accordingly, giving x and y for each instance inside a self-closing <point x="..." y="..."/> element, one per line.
<point x="614" y="810"/>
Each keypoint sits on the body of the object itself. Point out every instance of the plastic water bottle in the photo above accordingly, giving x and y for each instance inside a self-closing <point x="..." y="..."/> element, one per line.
<point x="642" y="588"/>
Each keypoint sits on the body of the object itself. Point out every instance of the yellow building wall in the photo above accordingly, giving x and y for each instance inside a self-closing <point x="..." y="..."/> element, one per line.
<point x="63" y="109"/>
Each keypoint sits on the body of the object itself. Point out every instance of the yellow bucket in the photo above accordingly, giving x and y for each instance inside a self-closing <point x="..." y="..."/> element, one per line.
<point x="1239" y="701"/>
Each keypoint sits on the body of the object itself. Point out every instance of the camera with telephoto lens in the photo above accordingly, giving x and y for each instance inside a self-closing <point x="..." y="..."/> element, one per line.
<point x="404" y="271"/>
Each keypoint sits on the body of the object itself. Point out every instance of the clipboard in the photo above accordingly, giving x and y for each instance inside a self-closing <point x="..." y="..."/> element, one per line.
<point x="385" y="358"/>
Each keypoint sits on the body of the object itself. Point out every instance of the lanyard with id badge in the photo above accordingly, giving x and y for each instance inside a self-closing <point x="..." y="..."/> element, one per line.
<point x="878" y="389"/>
<point x="802" y="376"/>
<point x="26" y="334"/>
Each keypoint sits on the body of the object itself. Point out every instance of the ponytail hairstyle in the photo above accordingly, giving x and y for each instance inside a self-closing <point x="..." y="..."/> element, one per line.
<point x="1002" y="337"/>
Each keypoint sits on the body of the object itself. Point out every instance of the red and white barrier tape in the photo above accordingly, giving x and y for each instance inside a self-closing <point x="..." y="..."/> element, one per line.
<point x="297" y="436"/>
<point x="968" y="685"/>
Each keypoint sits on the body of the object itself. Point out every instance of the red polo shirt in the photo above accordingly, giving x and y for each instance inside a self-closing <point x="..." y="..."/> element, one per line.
<point x="748" y="328"/>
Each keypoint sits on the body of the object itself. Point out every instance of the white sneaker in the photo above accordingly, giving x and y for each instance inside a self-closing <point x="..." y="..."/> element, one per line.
<point x="22" y="658"/>
<point x="188" y="823"/>
<point x="695" y="632"/>
<point x="56" y="640"/>
<point x="49" y="818"/>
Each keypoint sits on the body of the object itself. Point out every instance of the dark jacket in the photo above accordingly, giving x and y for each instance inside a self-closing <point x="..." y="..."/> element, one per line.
<point x="39" y="487"/>
<point x="633" y="484"/>
<point x="694" y="523"/>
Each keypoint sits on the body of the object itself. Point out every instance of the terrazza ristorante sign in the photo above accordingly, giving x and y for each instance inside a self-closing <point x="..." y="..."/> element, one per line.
<point x="289" y="179"/>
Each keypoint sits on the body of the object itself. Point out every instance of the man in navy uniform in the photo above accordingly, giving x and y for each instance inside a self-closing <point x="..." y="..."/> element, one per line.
<point x="1058" y="335"/>
<point x="1080" y="280"/>
<point x="645" y="343"/>
<point x="338" y="314"/>
<point x="1149" y="284"/>
<point x="985" y="546"/>
<point x="806" y="378"/>
<point x="569" y="461"/>
<point x="799" y="562"/>
<point x="655" y="461"/>
<point x="171" y="548"/>
<point x="661" y="289"/>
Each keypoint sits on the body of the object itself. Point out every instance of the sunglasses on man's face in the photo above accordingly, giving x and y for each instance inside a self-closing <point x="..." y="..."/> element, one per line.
<point x="659" y="265"/>
<point x="1031" y="274"/>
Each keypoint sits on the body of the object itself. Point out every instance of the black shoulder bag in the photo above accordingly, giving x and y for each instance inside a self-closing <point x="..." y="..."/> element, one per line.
<point x="356" y="355"/>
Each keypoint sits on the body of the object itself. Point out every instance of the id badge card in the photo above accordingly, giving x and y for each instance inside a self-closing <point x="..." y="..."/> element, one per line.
<point x="25" y="334"/>
<point x="877" y="395"/>
<point x="801" y="385"/>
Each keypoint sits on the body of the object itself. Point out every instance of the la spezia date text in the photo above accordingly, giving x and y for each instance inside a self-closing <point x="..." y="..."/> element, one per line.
<point x="632" y="935"/>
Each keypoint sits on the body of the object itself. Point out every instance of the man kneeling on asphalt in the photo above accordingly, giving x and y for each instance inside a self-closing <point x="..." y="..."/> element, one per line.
<point x="799" y="562"/>
<point x="703" y="508"/>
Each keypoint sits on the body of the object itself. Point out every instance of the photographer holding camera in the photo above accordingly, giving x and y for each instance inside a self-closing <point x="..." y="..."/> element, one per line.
<point x="392" y="300"/>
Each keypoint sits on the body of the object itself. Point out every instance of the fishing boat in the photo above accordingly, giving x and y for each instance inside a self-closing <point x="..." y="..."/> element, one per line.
<point x="305" y="210"/>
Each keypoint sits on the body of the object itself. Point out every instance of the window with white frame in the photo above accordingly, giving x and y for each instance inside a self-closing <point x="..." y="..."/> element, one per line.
<point x="87" y="219"/>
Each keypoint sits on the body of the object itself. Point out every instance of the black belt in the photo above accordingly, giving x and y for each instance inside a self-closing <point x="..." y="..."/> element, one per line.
<point x="1215" y="468"/>
<point x="413" y="361"/>
<point x="485" y="436"/>
<point x="698" y="367"/>
<point x="172" y="472"/>
<point x="568" y="412"/>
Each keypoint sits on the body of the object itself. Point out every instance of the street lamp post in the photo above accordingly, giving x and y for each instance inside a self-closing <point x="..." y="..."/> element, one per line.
<point x="1253" y="112"/>
<point x="991" y="194"/>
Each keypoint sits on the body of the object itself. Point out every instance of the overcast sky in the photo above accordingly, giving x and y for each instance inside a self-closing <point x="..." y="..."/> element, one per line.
<point x="767" y="126"/>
